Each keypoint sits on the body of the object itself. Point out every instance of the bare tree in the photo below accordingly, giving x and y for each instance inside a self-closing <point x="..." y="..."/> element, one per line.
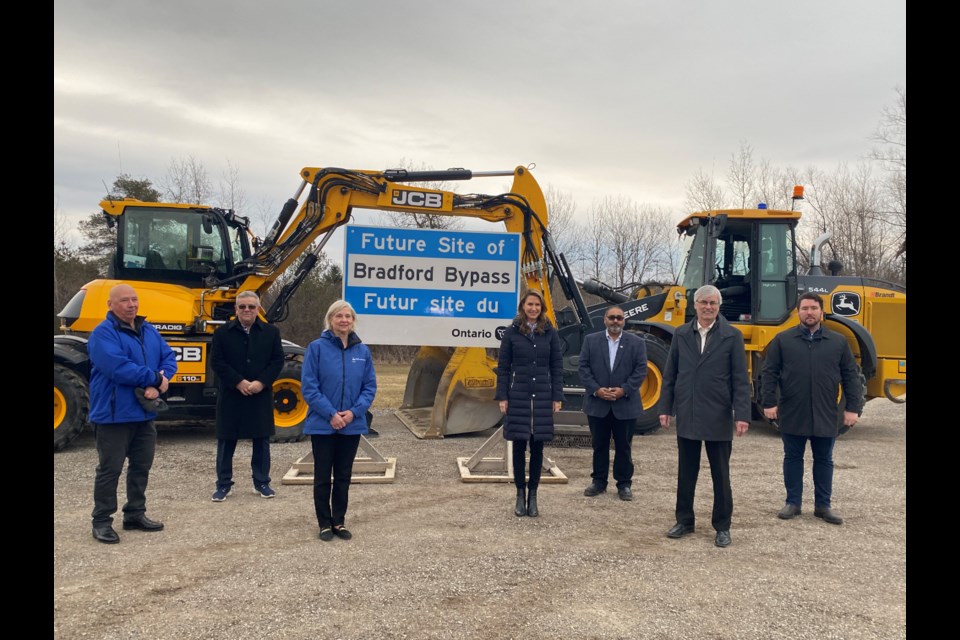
<point x="187" y="181"/>
<point x="891" y="136"/>
<point x="595" y="255"/>
<point x="561" y="208"/>
<point x="740" y="175"/>
<point x="703" y="193"/>
<point x="232" y="195"/>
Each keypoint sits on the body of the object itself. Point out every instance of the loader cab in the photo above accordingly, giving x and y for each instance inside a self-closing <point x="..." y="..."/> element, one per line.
<point x="177" y="245"/>
<point x="750" y="256"/>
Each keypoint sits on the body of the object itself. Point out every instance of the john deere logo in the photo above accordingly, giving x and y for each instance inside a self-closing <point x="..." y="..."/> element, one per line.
<point x="845" y="303"/>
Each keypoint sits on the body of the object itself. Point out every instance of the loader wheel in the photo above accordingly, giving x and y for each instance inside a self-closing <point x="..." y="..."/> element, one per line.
<point x="842" y="401"/>
<point x="71" y="403"/>
<point x="289" y="407"/>
<point x="657" y="351"/>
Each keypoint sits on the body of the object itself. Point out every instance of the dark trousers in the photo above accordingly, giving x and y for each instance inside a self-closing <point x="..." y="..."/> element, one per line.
<point x="622" y="431"/>
<point x="332" y="454"/>
<point x="259" y="461"/>
<point x="519" y="463"/>
<point x="718" y="453"/>
<point x="116" y="443"/>
<point x="793" y="449"/>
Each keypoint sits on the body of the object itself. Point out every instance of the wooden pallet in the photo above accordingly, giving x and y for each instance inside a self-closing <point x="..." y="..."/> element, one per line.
<point x="483" y="467"/>
<point x="369" y="467"/>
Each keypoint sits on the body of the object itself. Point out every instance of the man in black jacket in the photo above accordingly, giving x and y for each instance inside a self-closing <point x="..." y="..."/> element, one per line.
<point x="247" y="356"/>
<point x="706" y="387"/>
<point x="613" y="365"/>
<point x="806" y="365"/>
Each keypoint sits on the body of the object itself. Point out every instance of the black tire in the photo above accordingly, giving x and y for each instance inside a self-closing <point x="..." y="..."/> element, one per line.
<point x="71" y="404"/>
<point x="289" y="407"/>
<point x="657" y="350"/>
<point x="842" y="401"/>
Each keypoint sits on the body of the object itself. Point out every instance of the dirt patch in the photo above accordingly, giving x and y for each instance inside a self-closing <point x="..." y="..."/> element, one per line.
<point x="433" y="557"/>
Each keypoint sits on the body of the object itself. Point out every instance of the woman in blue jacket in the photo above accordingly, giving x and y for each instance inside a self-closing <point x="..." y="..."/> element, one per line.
<point x="339" y="384"/>
<point x="529" y="388"/>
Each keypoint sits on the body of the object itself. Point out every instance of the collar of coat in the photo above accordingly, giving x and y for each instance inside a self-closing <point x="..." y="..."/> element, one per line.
<point x="801" y="332"/>
<point x="235" y="324"/>
<point x="720" y="327"/>
<point x="137" y="323"/>
<point x="352" y="339"/>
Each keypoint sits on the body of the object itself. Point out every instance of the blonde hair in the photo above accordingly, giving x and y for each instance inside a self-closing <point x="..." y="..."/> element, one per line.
<point x="336" y="307"/>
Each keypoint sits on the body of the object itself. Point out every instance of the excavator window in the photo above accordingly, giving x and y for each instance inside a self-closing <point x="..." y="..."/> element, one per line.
<point x="169" y="245"/>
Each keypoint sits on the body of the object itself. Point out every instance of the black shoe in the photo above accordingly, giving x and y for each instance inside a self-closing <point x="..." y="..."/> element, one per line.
<point x="326" y="534"/>
<point x="625" y="493"/>
<point x="342" y="532"/>
<point x="723" y="539"/>
<point x="372" y="433"/>
<point x="789" y="511"/>
<point x="143" y="523"/>
<point x="828" y="515"/>
<point x="105" y="534"/>
<point x="532" y="510"/>
<point x="679" y="530"/>
<point x="521" y="509"/>
<point x="594" y="490"/>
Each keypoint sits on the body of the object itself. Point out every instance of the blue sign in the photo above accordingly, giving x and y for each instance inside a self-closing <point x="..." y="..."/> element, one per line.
<point x="431" y="287"/>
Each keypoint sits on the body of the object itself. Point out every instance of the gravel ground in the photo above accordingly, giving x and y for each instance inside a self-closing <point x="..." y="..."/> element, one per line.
<point x="433" y="557"/>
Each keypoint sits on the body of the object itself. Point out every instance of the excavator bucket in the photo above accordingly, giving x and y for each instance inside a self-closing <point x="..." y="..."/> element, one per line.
<point x="450" y="391"/>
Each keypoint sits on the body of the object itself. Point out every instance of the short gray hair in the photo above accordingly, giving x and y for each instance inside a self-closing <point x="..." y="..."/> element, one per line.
<point x="708" y="290"/>
<point x="249" y="294"/>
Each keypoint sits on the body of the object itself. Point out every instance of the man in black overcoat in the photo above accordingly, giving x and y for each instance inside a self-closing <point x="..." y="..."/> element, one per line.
<point x="802" y="372"/>
<point x="247" y="356"/>
<point x="706" y="386"/>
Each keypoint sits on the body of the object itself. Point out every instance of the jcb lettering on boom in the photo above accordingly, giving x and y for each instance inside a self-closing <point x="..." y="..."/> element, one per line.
<point x="417" y="199"/>
<point x="188" y="354"/>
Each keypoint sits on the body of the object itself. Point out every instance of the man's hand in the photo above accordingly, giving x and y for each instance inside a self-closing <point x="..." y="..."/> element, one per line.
<point x="742" y="427"/>
<point x="164" y="384"/>
<point x="503" y="406"/>
<point x="347" y="416"/>
<point x="664" y="421"/>
<point x="151" y="393"/>
<point x="849" y="418"/>
<point x="255" y="387"/>
<point x="556" y="406"/>
<point x="244" y="387"/>
<point x="770" y="413"/>
<point x="337" y="422"/>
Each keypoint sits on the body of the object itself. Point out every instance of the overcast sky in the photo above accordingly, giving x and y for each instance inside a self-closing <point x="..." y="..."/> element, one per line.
<point x="607" y="98"/>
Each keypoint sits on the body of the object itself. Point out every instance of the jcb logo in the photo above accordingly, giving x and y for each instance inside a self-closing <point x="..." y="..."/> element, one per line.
<point x="418" y="199"/>
<point x="188" y="354"/>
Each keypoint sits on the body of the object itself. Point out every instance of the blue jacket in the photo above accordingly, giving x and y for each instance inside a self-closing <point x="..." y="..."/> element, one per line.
<point x="124" y="359"/>
<point x="336" y="379"/>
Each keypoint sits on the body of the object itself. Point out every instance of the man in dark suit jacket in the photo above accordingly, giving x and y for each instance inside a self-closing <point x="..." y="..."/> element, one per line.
<point x="707" y="388"/>
<point x="613" y="365"/>
<point x="247" y="356"/>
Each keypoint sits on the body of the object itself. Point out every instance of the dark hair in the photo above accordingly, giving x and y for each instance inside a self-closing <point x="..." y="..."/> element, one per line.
<point x="543" y="322"/>
<point x="809" y="295"/>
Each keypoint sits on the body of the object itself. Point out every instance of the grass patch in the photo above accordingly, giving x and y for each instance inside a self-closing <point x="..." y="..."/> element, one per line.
<point x="391" y="382"/>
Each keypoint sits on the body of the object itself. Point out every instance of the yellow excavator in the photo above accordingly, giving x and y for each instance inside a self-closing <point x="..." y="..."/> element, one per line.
<point x="189" y="261"/>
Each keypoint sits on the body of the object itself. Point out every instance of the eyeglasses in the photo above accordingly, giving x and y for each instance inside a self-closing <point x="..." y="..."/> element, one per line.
<point x="245" y="307"/>
<point x="708" y="303"/>
<point x="614" y="317"/>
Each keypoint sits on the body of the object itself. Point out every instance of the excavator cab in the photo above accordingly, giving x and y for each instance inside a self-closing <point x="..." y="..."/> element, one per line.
<point x="178" y="245"/>
<point x="750" y="259"/>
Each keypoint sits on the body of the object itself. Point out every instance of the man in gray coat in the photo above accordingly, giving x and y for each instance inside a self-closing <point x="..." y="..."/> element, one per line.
<point x="804" y="367"/>
<point x="706" y="387"/>
<point x="613" y="365"/>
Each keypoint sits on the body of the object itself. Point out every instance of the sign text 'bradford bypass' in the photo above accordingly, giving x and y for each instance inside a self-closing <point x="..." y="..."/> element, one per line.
<point x="430" y="287"/>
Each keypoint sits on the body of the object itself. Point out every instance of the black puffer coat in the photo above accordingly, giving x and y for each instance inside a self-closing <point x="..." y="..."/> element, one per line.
<point x="530" y="379"/>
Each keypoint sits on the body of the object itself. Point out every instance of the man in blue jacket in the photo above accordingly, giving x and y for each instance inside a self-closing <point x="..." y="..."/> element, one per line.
<point x="613" y="365"/>
<point x="128" y="356"/>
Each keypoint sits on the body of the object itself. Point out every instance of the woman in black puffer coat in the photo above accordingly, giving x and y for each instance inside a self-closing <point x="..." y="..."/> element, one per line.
<point x="529" y="388"/>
